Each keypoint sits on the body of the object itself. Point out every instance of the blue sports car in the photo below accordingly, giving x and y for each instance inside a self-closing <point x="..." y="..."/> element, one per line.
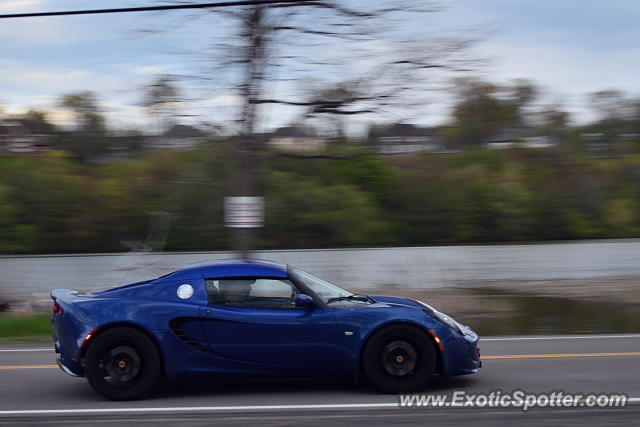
<point x="252" y="318"/>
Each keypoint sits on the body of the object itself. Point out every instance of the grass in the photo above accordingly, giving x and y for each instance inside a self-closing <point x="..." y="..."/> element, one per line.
<point x="15" y="328"/>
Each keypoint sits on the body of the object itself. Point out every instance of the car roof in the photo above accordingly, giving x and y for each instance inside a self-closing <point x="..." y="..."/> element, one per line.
<point x="234" y="267"/>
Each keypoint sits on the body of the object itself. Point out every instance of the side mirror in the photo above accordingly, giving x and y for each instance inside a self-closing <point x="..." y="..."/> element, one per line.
<point x="303" y="300"/>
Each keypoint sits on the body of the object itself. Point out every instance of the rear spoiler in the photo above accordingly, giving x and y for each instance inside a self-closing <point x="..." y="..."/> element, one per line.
<point x="64" y="295"/>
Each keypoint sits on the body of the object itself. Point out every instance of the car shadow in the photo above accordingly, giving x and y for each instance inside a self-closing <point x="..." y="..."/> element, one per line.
<point x="243" y="387"/>
<point x="298" y="387"/>
<point x="240" y="391"/>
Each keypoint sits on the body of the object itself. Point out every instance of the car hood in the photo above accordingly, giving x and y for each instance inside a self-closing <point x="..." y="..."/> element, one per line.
<point x="405" y="302"/>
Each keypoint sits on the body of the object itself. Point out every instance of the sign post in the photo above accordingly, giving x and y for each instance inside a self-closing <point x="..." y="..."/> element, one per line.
<point x="244" y="212"/>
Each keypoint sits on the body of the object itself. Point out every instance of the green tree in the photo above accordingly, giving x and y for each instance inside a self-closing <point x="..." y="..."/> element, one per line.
<point x="40" y="117"/>
<point x="522" y="94"/>
<point x="161" y="98"/>
<point x="483" y="108"/>
<point x="479" y="111"/>
<point x="89" y="137"/>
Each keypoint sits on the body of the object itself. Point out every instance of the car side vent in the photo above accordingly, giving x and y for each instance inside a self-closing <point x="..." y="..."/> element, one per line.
<point x="177" y="326"/>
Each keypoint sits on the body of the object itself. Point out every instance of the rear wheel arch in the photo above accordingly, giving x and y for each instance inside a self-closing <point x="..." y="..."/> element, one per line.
<point x="122" y="363"/>
<point x="102" y="329"/>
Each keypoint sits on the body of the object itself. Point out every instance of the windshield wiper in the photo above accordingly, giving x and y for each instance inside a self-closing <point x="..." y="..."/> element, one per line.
<point x="352" y="297"/>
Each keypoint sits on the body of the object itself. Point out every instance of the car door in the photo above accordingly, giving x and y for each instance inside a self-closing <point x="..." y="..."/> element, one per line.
<point x="254" y="320"/>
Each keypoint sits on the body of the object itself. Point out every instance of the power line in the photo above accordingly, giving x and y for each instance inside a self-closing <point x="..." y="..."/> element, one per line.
<point x="150" y="8"/>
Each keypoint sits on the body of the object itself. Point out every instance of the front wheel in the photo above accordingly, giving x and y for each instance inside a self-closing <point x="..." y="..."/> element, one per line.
<point x="122" y="364"/>
<point x="399" y="358"/>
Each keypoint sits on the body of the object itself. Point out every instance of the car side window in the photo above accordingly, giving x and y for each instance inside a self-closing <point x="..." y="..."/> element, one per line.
<point x="251" y="292"/>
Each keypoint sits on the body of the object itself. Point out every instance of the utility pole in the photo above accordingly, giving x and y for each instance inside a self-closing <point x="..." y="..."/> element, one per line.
<point x="246" y="172"/>
<point x="246" y="202"/>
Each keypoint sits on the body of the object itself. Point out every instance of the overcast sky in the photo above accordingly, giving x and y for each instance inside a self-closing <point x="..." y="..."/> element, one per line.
<point x="569" y="47"/>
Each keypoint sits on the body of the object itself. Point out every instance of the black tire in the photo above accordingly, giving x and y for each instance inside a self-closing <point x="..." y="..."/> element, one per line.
<point x="122" y="364"/>
<point x="399" y="358"/>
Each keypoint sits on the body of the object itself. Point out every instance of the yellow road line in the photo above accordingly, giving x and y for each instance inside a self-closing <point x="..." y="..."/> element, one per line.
<point x="508" y="356"/>
<point x="9" y="368"/>
<point x="549" y="356"/>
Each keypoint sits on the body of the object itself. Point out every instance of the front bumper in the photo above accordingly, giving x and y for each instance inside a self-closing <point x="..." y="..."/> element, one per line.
<point x="461" y="355"/>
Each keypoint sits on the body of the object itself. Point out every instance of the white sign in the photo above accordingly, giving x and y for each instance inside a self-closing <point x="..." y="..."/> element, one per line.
<point x="244" y="212"/>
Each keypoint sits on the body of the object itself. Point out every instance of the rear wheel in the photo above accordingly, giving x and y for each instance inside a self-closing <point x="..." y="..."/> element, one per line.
<point x="122" y="364"/>
<point x="399" y="358"/>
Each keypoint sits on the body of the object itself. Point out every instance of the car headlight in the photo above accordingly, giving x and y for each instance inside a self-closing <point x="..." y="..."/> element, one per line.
<point x="426" y="305"/>
<point x="445" y="319"/>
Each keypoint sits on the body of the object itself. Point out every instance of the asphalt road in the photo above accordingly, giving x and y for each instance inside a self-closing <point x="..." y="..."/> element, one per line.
<point x="33" y="391"/>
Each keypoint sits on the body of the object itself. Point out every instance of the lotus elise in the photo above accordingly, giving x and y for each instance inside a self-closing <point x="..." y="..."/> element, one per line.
<point x="252" y="318"/>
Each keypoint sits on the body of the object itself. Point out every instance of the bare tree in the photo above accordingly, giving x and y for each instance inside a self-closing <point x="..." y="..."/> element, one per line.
<point x="325" y="58"/>
<point x="342" y="57"/>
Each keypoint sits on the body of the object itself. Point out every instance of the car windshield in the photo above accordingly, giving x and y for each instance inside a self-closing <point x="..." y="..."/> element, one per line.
<point x="330" y="294"/>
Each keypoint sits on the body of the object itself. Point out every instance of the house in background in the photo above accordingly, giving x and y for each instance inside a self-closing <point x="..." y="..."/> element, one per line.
<point x="401" y="138"/>
<point x="178" y="137"/>
<point x="23" y="136"/>
<point x="298" y="139"/>
<point x="519" y="136"/>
